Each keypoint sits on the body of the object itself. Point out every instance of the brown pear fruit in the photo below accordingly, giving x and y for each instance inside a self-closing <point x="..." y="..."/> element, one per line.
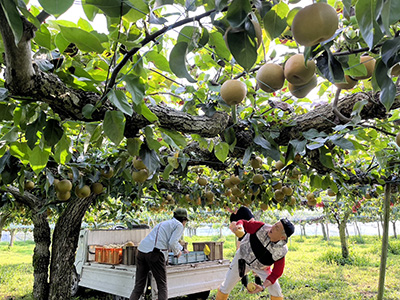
<point x="140" y="176"/>
<point x="314" y="24"/>
<point x="138" y="163"/>
<point x="369" y="63"/>
<point x="297" y="71"/>
<point x="349" y="83"/>
<point x="270" y="77"/>
<point x="64" y="186"/>
<point x="29" y="185"/>
<point x="395" y="71"/>
<point x="202" y="181"/>
<point x="97" y="188"/>
<point x="279" y="165"/>
<point x="301" y="91"/>
<point x="233" y="91"/>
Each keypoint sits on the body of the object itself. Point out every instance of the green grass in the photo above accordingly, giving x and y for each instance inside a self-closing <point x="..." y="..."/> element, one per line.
<point x="314" y="270"/>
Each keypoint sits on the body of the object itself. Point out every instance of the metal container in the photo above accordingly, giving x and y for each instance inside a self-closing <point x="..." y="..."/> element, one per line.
<point x="186" y="258"/>
<point x="129" y="255"/>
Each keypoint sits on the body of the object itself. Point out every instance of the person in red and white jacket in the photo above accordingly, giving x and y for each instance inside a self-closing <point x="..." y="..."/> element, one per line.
<point x="262" y="246"/>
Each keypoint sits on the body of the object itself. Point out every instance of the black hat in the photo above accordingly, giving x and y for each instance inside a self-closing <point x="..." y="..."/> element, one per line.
<point x="181" y="213"/>
<point x="288" y="227"/>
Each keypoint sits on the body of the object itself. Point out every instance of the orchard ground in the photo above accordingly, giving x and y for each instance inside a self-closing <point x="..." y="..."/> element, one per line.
<point x="314" y="270"/>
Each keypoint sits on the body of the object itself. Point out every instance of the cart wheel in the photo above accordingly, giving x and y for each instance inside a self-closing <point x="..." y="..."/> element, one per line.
<point x="199" y="296"/>
<point x="74" y="283"/>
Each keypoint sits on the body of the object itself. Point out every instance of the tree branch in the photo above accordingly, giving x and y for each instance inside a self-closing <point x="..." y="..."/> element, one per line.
<point x="148" y="39"/>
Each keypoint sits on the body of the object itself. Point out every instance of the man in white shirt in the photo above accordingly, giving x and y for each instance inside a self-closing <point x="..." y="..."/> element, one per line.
<point x="153" y="253"/>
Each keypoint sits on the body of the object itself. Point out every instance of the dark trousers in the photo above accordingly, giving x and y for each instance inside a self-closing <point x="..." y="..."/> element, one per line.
<point x="154" y="262"/>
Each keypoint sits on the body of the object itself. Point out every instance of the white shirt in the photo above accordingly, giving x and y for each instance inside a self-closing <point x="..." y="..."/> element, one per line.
<point x="167" y="234"/>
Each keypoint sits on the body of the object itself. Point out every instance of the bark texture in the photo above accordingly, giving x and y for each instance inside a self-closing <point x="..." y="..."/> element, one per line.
<point x="65" y="242"/>
<point x="342" y="234"/>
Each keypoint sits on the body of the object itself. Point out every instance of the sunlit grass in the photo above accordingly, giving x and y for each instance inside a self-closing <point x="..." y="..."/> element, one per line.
<point x="314" y="270"/>
<point x="16" y="271"/>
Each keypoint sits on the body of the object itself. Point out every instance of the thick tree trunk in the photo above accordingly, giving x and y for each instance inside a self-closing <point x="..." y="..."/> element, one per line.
<point x="342" y="235"/>
<point x="3" y="219"/>
<point x="385" y="242"/>
<point x="303" y="229"/>
<point x="327" y="231"/>
<point x="12" y="237"/>
<point x="357" y="229"/>
<point x="379" y="229"/>
<point x="324" y="232"/>
<point x="41" y="255"/>
<point x="65" y="241"/>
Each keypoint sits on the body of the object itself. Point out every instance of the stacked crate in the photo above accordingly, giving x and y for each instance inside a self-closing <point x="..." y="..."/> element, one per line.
<point x="216" y="249"/>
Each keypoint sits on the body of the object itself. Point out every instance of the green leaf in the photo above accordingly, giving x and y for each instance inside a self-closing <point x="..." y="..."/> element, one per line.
<point x="267" y="148"/>
<point x="330" y="67"/>
<point x="84" y="40"/>
<point x="173" y="161"/>
<point x="325" y="157"/>
<point x="366" y="18"/>
<point x="315" y="181"/>
<point x="346" y="8"/>
<point x="158" y="60"/>
<point x="43" y="37"/>
<point x="88" y="110"/>
<point x="247" y="155"/>
<point x="6" y="112"/>
<point x="390" y="51"/>
<point x="177" y="61"/>
<point x="275" y="20"/>
<point x="313" y="133"/>
<point x="221" y="151"/>
<point x="56" y="7"/>
<point x="143" y="110"/>
<point x="290" y="16"/>
<point x="242" y="47"/>
<point x="178" y="139"/>
<point x="38" y="159"/>
<point x="205" y="37"/>
<point x="354" y="67"/>
<point x="114" y="125"/>
<point x="13" y="18"/>
<point x="189" y="35"/>
<point x="394" y="11"/>
<point x="133" y="146"/>
<point x="298" y="146"/>
<point x="151" y="142"/>
<point x="237" y="12"/>
<point x="326" y="182"/>
<point x="167" y="171"/>
<point x="217" y="41"/>
<point x="139" y="10"/>
<point x="136" y="88"/>
<point x="229" y="135"/>
<point x="21" y="151"/>
<point x="61" y="42"/>
<point x="52" y="132"/>
<point x="118" y="98"/>
<point x="90" y="11"/>
<point x="111" y="8"/>
<point x="388" y="88"/>
<point x="344" y="143"/>
<point x="62" y="153"/>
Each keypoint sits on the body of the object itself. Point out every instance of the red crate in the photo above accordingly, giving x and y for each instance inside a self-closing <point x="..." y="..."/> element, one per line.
<point x="112" y="256"/>
<point x="99" y="254"/>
